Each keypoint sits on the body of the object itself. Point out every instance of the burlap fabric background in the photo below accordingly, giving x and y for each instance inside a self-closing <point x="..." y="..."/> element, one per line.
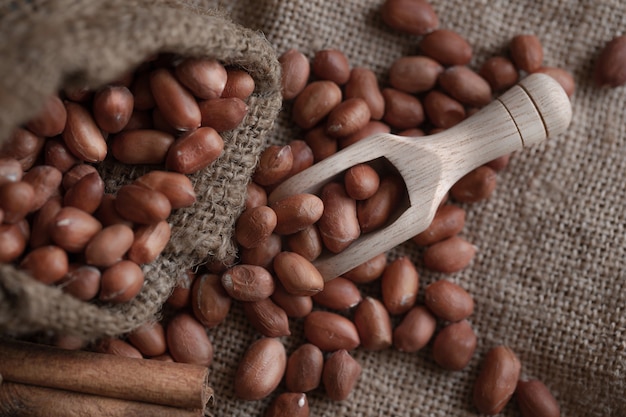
<point x="549" y="275"/>
<point x="49" y="45"/>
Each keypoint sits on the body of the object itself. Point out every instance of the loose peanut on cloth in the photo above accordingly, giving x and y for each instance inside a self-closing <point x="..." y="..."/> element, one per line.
<point x="497" y="380"/>
<point x="260" y="369"/>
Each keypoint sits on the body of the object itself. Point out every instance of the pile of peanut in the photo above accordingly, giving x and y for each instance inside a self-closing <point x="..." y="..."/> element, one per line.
<point x="58" y="223"/>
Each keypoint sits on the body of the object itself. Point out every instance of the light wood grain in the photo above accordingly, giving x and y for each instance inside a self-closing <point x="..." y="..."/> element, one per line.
<point x="525" y="115"/>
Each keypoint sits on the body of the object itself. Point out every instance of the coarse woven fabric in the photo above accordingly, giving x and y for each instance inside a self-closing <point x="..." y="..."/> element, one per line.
<point x="50" y="45"/>
<point x="548" y="279"/>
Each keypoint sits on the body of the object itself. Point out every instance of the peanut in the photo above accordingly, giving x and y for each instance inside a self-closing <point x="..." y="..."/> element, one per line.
<point x="260" y="369"/>
<point x="209" y="301"/>
<point x="295" y="73"/>
<point x="475" y="186"/>
<point x="536" y="400"/>
<point x="187" y="341"/>
<point x="177" y="104"/>
<point x="448" y="301"/>
<point x="340" y="375"/>
<point x="339" y="294"/>
<point x="254" y="226"/>
<point x="304" y="368"/>
<point x="141" y="205"/>
<point x="339" y="224"/>
<point x="449" y="220"/>
<point x="149" y="339"/>
<point x="361" y="182"/>
<point x="297" y="212"/>
<point x="416" y="17"/>
<point x="267" y="318"/>
<point x="330" y="331"/>
<point x="47" y="264"/>
<point x="496" y="380"/>
<point x="50" y="120"/>
<point x="442" y="110"/>
<point x="399" y="285"/>
<point x="223" y="114"/>
<point x="16" y="200"/>
<point x="86" y="194"/>
<point x="289" y="404"/>
<point x="454" y="346"/>
<point x="348" y="117"/>
<point x="609" y="69"/>
<point x="368" y="271"/>
<point x="315" y="102"/>
<point x="374" y="212"/>
<point x="402" y="110"/>
<point x="194" y="151"/>
<point x="373" y="324"/>
<point x="466" y="86"/>
<point x="449" y="255"/>
<point x="307" y="242"/>
<point x="364" y="84"/>
<point x="297" y="274"/>
<point x="109" y="245"/>
<point x="415" y="330"/>
<point x="526" y="52"/>
<point x="175" y="186"/>
<point x="56" y="154"/>
<point x="73" y="228"/>
<point x="205" y="78"/>
<point x="23" y="146"/>
<point x="331" y="65"/>
<point x="296" y="306"/>
<point x="121" y="282"/>
<point x="81" y="281"/>
<point x="446" y="47"/>
<point x="112" y="107"/>
<point x="414" y="74"/>
<point x="274" y="165"/>
<point x="499" y="72"/>
<point x="239" y="84"/>
<point x="82" y="136"/>
<point x="248" y="282"/>
<point x="141" y="146"/>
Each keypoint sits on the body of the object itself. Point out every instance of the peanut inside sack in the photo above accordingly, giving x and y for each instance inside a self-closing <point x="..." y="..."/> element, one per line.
<point x="95" y="45"/>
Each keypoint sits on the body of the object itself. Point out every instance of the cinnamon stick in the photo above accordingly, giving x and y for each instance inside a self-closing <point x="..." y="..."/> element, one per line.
<point x="19" y="400"/>
<point x="166" y="383"/>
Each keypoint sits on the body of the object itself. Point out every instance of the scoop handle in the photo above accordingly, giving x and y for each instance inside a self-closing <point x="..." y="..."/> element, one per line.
<point x="526" y="114"/>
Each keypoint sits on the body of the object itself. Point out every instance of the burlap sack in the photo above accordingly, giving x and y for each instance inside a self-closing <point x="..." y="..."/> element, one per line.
<point x="549" y="276"/>
<point x="49" y="45"/>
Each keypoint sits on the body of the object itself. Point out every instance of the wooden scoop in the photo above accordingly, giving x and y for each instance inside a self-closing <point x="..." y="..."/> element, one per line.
<point x="526" y="114"/>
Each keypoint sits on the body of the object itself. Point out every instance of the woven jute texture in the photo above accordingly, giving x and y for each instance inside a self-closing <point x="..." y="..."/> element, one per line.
<point x="549" y="278"/>
<point x="50" y="45"/>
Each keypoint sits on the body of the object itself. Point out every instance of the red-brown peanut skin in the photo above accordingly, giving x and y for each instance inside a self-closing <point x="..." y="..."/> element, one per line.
<point x="41" y="221"/>
<point x="297" y="212"/>
<point x="373" y="323"/>
<point x="149" y="242"/>
<point x="50" y="120"/>
<point x="73" y="228"/>
<point x="306" y="242"/>
<point x="47" y="264"/>
<point x="12" y="242"/>
<point x="364" y="84"/>
<point x="45" y="181"/>
<point x="181" y="294"/>
<point x="442" y="110"/>
<point x="330" y="331"/>
<point x="454" y="346"/>
<point x="205" y="78"/>
<point x="109" y="245"/>
<point x="609" y="69"/>
<point x="75" y="174"/>
<point x="348" y="117"/>
<point x="373" y="127"/>
<point x="24" y="146"/>
<point x="142" y="92"/>
<point x="303" y="156"/>
<point x="274" y="165"/>
<point x="178" y="106"/>
<point x="466" y="86"/>
<point x="331" y="65"/>
<point x="82" y="136"/>
<point x="223" y="114"/>
<point x="16" y="200"/>
<point x="475" y="186"/>
<point x="449" y="255"/>
<point x="10" y="170"/>
<point x="415" y="330"/>
<point x="175" y="186"/>
<point x="448" y="301"/>
<point x="149" y="339"/>
<point x="535" y="399"/>
<point x="262" y="255"/>
<point x="374" y="212"/>
<point x="248" y="282"/>
<point x="289" y="404"/>
<point x="121" y="282"/>
<point x="526" y="52"/>
<point x="295" y="73"/>
<point x="194" y="151"/>
<point x="254" y="226"/>
<point x="446" y="47"/>
<point x="320" y="143"/>
<point x="141" y="205"/>
<point x="339" y="224"/>
<point x="112" y="107"/>
<point x="339" y="294"/>
<point x="340" y="375"/>
<point x="187" y="341"/>
<point x="209" y="300"/>
<point x="267" y="318"/>
<point x="239" y="84"/>
<point x="315" y="102"/>
<point x="296" y="306"/>
<point x="361" y="181"/>
<point x="56" y="154"/>
<point x="496" y="380"/>
<point x="448" y="221"/>
<point x="81" y="281"/>
<point x="304" y="368"/>
<point x="86" y="194"/>
<point x="402" y="110"/>
<point x="260" y="369"/>
<point x="399" y="285"/>
<point x="368" y="271"/>
<point x="255" y="196"/>
<point x="107" y="214"/>
<point x="141" y="146"/>
<point x="499" y="72"/>
<point x="416" y="17"/>
<point x="414" y="74"/>
<point x="297" y="274"/>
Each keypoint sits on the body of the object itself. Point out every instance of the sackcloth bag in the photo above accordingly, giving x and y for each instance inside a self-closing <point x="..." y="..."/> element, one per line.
<point x="50" y="45"/>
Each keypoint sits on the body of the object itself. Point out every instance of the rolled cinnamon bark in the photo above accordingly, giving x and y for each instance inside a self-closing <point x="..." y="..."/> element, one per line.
<point x="167" y="383"/>
<point x="19" y="400"/>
